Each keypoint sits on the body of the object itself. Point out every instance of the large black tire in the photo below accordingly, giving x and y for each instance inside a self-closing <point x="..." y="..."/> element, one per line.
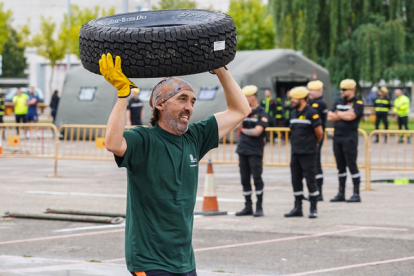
<point x="160" y="43"/>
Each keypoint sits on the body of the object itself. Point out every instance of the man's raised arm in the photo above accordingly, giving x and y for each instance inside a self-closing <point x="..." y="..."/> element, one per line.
<point x="237" y="106"/>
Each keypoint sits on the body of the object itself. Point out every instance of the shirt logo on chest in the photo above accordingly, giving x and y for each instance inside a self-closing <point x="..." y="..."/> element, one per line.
<point x="193" y="160"/>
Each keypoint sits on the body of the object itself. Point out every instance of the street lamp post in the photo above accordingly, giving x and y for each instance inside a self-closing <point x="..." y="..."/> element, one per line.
<point x="68" y="53"/>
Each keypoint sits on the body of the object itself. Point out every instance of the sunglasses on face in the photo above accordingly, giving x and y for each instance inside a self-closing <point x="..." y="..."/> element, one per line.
<point x="343" y="89"/>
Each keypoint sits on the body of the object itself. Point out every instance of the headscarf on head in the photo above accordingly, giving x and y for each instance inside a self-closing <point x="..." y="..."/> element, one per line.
<point x="167" y="88"/>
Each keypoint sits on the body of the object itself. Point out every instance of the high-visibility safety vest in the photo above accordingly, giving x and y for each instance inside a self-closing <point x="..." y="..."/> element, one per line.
<point x="402" y="106"/>
<point x="1" y="107"/>
<point x="382" y="105"/>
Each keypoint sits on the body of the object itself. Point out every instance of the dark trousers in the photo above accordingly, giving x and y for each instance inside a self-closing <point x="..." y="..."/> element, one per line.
<point x="346" y="153"/>
<point x="303" y="166"/>
<point x="403" y="121"/>
<point x="20" y="119"/>
<point x="381" y="117"/>
<point x="319" y="172"/>
<point x="251" y="165"/>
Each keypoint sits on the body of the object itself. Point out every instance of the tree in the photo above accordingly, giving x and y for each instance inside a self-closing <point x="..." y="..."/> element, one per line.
<point x="14" y="61"/>
<point x="254" y="25"/>
<point x="176" y="4"/>
<point x="5" y="18"/>
<point x="50" y="46"/>
<point x="78" y="17"/>
<point x="362" y="39"/>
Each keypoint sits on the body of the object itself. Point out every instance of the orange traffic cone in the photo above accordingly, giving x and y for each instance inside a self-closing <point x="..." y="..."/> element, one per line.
<point x="210" y="204"/>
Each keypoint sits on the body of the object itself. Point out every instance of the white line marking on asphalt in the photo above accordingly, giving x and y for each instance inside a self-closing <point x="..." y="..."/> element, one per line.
<point x="352" y="266"/>
<point x="62" y="237"/>
<point x="278" y="240"/>
<point x="113" y="195"/>
<point x="88" y="228"/>
<point x="376" y="228"/>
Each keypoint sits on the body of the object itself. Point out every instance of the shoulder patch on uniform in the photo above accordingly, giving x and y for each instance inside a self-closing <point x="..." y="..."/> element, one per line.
<point x="316" y="116"/>
<point x="264" y="119"/>
<point x="315" y="105"/>
<point x="359" y="102"/>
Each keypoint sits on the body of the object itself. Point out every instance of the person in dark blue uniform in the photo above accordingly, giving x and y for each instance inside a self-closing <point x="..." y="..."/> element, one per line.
<point x="250" y="151"/>
<point x="346" y="114"/>
<point x="318" y="103"/>
<point x="306" y="133"/>
<point x="382" y="107"/>
<point x="135" y="109"/>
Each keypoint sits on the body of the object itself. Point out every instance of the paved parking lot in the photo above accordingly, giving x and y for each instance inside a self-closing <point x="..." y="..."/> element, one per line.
<point x="375" y="237"/>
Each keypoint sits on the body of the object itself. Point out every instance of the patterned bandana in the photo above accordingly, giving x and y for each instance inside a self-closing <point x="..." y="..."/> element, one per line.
<point x="167" y="88"/>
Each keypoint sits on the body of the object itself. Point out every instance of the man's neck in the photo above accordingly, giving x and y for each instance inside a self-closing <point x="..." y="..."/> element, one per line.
<point x="254" y="106"/>
<point x="302" y="106"/>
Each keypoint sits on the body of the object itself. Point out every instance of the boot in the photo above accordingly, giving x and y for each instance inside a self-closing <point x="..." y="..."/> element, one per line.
<point x="248" y="210"/>
<point x="313" y="213"/>
<point x="297" y="210"/>
<point x="385" y="138"/>
<point x="259" y="208"/>
<point x="355" y="197"/>
<point x="376" y="139"/>
<point x="320" y="196"/>
<point x="341" y="194"/>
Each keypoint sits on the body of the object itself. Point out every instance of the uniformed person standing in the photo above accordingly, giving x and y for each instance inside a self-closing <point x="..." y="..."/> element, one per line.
<point x="135" y="109"/>
<point x="269" y="105"/>
<point x="317" y="102"/>
<point x="306" y="133"/>
<point x="2" y="107"/>
<point x="402" y="109"/>
<point x="382" y="106"/>
<point x="286" y="112"/>
<point x="346" y="114"/>
<point x="250" y="151"/>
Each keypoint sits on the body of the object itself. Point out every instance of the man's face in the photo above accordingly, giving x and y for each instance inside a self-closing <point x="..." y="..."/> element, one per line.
<point x="346" y="93"/>
<point x="251" y="100"/>
<point x="295" y="103"/>
<point x="398" y="92"/>
<point x="134" y="95"/>
<point x="268" y="94"/>
<point x="178" y="110"/>
<point x="31" y="91"/>
<point x="313" y="94"/>
<point x="18" y="92"/>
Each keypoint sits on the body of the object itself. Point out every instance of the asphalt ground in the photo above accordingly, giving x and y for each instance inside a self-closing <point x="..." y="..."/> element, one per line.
<point x="375" y="237"/>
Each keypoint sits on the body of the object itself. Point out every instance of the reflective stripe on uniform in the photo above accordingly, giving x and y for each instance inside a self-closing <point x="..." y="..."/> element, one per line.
<point x="319" y="176"/>
<point x="247" y="193"/>
<point x="259" y="192"/>
<point x="251" y="119"/>
<point x="325" y="111"/>
<point x="355" y="175"/>
<point x="314" y="193"/>
<point x="298" y="193"/>
<point x="299" y="121"/>
<point x="341" y="106"/>
<point x="342" y="174"/>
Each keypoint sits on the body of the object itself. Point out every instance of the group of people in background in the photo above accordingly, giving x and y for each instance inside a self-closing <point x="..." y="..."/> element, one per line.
<point x="306" y="113"/>
<point x="383" y="105"/>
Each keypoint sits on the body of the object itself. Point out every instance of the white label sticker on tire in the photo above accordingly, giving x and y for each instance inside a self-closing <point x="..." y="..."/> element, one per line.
<point x="219" y="45"/>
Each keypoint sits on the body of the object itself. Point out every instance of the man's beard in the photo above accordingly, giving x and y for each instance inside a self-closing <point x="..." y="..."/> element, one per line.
<point x="174" y="122"/>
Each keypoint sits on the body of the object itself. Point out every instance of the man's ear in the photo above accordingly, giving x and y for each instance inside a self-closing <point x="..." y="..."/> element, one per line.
<point x="160" y="106"/>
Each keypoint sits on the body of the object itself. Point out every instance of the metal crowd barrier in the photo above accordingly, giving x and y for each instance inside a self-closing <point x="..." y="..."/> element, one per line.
<point x="87" y="142"/>
<point x="29" y="140"/>
<point x="394" y="151"/>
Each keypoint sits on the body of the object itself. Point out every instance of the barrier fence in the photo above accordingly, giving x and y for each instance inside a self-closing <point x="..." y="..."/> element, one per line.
<point x="87" y="142"/>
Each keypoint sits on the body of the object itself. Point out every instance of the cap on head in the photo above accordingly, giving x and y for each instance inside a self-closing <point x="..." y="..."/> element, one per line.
<point x="135" y="90"/>
<point x="315" y="85"/>
<point x="348" y="84"/>
<point x="167" y="88"/>
<point x="299" y="92"/>
<point x="249" y="90"/>
<point x="374" y="88"/>
<point x="384" y="89"/>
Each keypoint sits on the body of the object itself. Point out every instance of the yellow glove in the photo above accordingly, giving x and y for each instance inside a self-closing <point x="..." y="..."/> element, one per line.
<point x="113" y="74"/>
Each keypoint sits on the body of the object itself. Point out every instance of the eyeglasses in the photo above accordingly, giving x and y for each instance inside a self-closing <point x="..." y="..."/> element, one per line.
<point x="343" y="89"/>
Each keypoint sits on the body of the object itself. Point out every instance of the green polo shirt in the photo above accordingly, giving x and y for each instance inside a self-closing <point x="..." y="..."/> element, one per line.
<point x="162" y="172"/>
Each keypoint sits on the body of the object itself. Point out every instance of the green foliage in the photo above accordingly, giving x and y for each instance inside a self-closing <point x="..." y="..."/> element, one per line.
<point x="5" y="18"/>
<point x="175" y="4"/>
<point x="14" y="62"/>
<point x="361" y="39"/>
<point x="78" y="17"/>
<point x="254" y="24"/>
